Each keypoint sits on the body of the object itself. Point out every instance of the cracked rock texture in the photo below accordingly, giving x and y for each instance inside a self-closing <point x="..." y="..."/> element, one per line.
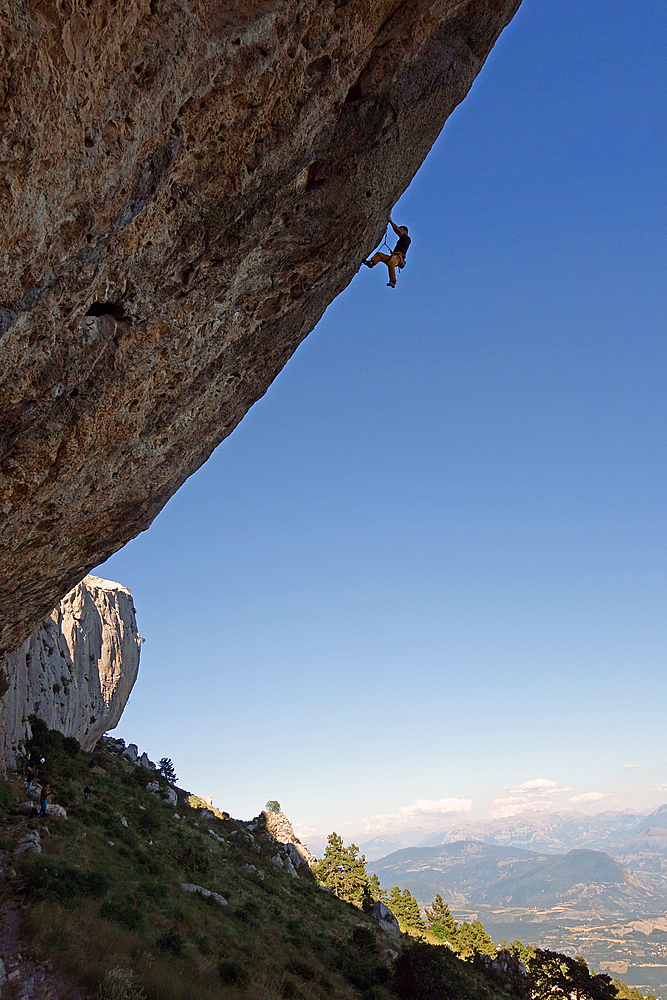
<point x="184" y="187"/>
<point x="281" y="830"/>
<point x="76" y="670"/>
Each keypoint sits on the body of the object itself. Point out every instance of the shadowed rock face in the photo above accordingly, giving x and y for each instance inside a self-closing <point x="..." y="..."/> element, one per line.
<point x="184" y="187"/>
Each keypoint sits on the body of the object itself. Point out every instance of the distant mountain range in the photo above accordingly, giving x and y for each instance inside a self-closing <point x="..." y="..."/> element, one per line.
<point x="469" y="874"/>
<point x="536" y="877"/>
<point x="636" y="839"/>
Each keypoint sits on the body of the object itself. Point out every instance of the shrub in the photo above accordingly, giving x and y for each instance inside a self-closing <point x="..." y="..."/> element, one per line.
<point x="364" y="939"/>
<point x="303" y="970"/>
<point x="232" y="974"/>
<point x="122" y="912"/>
<point x="289" y="989"/>
<point x="172" y="943"/>
<point x="149" y="822"/>
<point x="203" y="943"/>
<point x="117" y="985"/>
<point x="62" y="882"/>
<point x="71" y="746"/>
<point x="192" y="859"/>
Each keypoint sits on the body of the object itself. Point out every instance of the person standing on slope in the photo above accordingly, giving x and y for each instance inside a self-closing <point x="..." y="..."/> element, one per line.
<point x="397" y="255"/>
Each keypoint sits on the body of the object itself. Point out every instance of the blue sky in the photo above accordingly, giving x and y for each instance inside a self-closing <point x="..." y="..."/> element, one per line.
<point x="429" y="565"/>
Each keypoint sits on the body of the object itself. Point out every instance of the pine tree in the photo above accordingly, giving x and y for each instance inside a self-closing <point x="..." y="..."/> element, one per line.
<point x="524" y="953"/>
<point x="472" y="940"/>
<point x="405" y="908"/>
<point x="378" y="894"/>
<point x="412" y="918"/>
<point x="166" y="769"/>
<point x="443" y="925"/>
<point x="344" y="872"/>
<point x="395" y="903"/>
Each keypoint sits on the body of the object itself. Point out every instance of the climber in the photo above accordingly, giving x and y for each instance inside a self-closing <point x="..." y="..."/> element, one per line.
<point x="397" y="255"/>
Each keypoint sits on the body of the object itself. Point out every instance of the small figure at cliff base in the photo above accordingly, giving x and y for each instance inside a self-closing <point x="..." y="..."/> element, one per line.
<point x="397" y="256"/>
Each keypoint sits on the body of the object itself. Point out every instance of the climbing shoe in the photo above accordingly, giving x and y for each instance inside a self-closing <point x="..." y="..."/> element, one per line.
<point x="368" y="263"/>
<point x="391" y="284"/>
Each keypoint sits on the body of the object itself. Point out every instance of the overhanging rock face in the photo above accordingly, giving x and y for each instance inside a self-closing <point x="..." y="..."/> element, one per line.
<point x="184" y="187"/>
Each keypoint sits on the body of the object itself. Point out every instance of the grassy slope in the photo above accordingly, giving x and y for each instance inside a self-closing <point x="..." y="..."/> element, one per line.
<point x="102" y="895"/>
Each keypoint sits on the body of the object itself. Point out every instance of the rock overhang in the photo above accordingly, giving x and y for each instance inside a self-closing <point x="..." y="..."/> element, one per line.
<point x="185" y="187"/>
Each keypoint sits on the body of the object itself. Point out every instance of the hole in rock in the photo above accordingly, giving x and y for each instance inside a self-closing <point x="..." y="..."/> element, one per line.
<point x="114" y="309"/>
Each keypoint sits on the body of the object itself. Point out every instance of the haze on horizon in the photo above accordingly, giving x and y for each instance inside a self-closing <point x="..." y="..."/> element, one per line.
<point x="424" y="580"/>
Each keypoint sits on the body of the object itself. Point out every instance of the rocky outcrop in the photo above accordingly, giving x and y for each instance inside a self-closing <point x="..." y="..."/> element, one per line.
<point x="280" y="828"/>
<point x="76" y="670"/>
<point x="385" y="918"/>
<point x="184" y="188"/>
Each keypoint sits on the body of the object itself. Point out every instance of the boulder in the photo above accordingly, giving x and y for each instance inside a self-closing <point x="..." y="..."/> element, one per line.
<point x="385" y="919"/>
<point x="53" y="809"/>
<point x="113" y="745"/>
<point x="131" y="753"/>
<point x="301" y="866"/>
<point x="191" y="887"/>
<point x="29" y="842"/>
<point x="285" y="862"/>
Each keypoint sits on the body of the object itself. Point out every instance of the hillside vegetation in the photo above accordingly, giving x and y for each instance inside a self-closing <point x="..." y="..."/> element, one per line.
<point x="104" y="901"/>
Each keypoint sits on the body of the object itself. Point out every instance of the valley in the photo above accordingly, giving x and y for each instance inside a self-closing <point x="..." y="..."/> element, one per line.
<point x="609" y="907"/>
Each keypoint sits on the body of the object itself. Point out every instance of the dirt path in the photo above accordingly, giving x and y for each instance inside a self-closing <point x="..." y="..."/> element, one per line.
<point x="25" y="978"/>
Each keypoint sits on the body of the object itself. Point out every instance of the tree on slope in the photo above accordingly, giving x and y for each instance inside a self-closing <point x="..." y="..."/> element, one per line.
<point x="378" y="894"/>
<point x="166" y="769"/>
<point x="625" y="992"/>
<point x="472" y="939"/>
<point x="442" y="923"/>
<point x="558" y="977"/>
<point x="405" y="908"/>
<point x="344" y="872"/>
<point x="523" y="953"/>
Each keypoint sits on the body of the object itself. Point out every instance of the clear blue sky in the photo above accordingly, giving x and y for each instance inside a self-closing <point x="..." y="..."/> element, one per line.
<point x="430" y="564"/>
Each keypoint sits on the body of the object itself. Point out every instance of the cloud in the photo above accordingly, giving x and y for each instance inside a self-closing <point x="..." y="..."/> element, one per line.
<point x="589" y="797"/>
<point x="534" y="785"/>
<point x="663" y="788"/>
<point x="628" y="767"/>
<point x="535" y="795"/>
<point x="423" y="812"/>
<point x="504" y="808"/>
<point x="304" y="832"/>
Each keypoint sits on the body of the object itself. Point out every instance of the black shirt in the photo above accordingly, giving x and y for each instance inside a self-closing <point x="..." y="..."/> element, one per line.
<point x="402" y="245"/>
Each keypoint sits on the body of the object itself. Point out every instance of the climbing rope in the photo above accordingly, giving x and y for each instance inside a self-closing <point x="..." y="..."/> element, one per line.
<point x="385" y="244"/>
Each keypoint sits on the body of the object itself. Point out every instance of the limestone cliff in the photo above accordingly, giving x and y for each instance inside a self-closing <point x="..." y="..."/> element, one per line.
<point x="76" y="670"/>
<point x="184" y="187"/>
